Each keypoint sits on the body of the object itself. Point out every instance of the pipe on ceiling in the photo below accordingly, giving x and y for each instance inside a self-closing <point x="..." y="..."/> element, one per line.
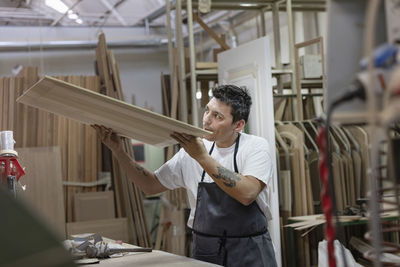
<point x="78" y="45"/>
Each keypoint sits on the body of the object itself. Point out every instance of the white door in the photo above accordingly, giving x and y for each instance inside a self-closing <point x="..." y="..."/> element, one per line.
<point x="250" y="65"/>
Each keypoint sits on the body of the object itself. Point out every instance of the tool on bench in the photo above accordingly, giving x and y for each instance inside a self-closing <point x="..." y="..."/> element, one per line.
<point x="101" y="250"/>
<point x="10" y="169"/>
<point x="94" y="247"/>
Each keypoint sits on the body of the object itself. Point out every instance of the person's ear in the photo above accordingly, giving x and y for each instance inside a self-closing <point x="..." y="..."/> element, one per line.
<point x="239" y="125"/>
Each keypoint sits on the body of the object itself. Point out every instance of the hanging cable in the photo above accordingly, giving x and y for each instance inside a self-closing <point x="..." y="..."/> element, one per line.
<point x="326" y="199"/>
<point x="355" y="90"/>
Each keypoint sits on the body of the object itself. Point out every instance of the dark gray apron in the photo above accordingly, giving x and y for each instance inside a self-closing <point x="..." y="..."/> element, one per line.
<point x="228" y="233"/>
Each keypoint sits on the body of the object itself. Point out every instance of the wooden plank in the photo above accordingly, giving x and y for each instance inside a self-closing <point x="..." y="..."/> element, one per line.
<point x="11" y="104"/>
<point x="44" y="184"/>
<point x="309" y="195"/>
<point x="102" y="65"/>
<point x="210" y="32"/>
<point x="31" y="130"/>
<point x="3" y="107"/>
<point x="131" y="201"/>
<point x="6" y="104"/>
<point x="95" y="143"/>
<point x="125" y="201"/>
<point x="164" y="94"/>
<point x="175" y="90"/>
<point x="18" y="115"/>
<point x="115" y="75"/>
<point x="206" y="65"/>
<point x="134" y="195"/>
<point x="83" y="105"/>
<point x="296" y="139"/>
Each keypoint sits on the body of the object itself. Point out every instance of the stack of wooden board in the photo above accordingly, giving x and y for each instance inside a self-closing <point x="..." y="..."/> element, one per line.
<point x="80" y="148"/>
<point x="128" y="197"/>
<point x="175" y="201"/>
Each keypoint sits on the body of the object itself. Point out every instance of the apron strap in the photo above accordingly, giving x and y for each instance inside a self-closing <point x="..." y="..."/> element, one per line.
<point x="209" y="153"/>
<point x="235" y="153"/>
<point x="234" y="157"/>
<point x="222" y="247"/>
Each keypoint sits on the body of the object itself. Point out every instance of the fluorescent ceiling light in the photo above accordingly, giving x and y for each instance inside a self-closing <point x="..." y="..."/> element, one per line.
<point x="73" y="16"/>
<point x="79" y="21"/>
<point x="246" y="4"/>
<point x="57" y="5"/>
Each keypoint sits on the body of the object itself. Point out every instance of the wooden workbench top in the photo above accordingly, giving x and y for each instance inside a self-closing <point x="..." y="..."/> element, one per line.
<point x="154" y="258"/>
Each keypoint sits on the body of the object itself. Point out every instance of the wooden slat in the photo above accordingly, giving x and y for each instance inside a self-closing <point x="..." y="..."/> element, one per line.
<point x="3" y="107"/>
<point x="144" y="237"/>
<point x="108" y="71"/>
<point x="125" y="201"/>
<point x="6" y="107"/>
<point x="210" y="32"/>
<point x="164" y="94"/>
<point x="301" y="199"/>
<point x="18" y="119"/>
<point x="102" y="65"/>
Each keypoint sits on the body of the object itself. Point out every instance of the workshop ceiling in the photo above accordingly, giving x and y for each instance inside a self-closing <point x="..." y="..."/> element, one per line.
<point x="92" y="13"/>
<point x="116" y="13"/>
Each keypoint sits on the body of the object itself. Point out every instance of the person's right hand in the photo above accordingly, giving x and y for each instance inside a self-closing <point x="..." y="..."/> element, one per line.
<point x="108" y="137"/>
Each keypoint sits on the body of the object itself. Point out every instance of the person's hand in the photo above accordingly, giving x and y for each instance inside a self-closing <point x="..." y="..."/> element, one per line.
<point x="108" y="137"/>
<point x="193" y="145"/>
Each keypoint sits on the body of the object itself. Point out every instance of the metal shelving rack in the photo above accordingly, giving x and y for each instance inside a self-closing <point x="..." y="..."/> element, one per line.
<point x="275" y="6"/>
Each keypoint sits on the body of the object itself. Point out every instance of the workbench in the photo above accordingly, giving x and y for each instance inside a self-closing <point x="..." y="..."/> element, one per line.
<point x="154" y="258"/>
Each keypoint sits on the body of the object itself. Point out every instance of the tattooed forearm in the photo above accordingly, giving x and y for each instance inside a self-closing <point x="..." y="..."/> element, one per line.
<point x="141" y="169"/>
<point x="229" y="177"/>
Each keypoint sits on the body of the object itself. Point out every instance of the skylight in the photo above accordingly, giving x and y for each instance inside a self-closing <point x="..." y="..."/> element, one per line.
<point x="57" y="5"/>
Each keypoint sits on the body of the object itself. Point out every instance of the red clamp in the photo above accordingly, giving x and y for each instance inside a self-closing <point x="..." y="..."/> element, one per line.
<point x="12" y="166"/>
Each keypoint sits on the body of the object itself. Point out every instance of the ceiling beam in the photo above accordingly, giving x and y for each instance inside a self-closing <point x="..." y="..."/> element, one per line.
<point x="154" y="15"/>
<point x="112" y="9"/>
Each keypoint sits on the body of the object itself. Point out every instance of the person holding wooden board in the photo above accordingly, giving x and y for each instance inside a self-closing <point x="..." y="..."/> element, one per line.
<point x="225" y="174"/>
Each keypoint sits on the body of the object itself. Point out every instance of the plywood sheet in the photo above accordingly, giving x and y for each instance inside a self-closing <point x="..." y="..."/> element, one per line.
<point x="43" y="182"/>
<point x="116" y="229"/>
<point x="86" y="206"/>
<point x="89" y="107"/>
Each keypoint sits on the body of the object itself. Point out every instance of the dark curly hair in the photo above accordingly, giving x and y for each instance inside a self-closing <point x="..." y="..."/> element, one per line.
<point x="237" y="97"/>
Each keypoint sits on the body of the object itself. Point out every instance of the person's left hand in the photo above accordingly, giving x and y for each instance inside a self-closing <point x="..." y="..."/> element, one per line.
<point x="193" y="145"/>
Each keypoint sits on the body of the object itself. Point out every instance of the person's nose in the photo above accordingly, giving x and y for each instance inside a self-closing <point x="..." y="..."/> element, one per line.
<point x="206" y="119"/>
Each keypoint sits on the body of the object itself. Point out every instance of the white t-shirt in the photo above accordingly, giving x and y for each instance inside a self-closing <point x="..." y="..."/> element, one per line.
<point x="253" y="158"/>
